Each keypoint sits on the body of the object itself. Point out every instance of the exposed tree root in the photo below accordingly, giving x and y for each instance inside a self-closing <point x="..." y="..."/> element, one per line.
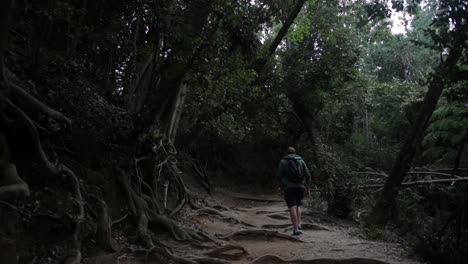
<point x="266" y="212"/>
<point x="147" y="217"/>
<point x="208" y="211"/>
<point x="256" y="199"/>
<point x="308" y="226"/>
<point x="221" y="207"/>
<point x="213" y="212"/>
<point x="273" y="259"/>
<point x="204" y="179"/>
<point x="38" y="105"/>
<point x="56" y="169"/>
<point x="164" y="255"/>
<point x="104" y="232"/>
<point x="276" y="226"/>
<point x="260" y="234"/>
<point x="278" y="217"/>
<point x="304" y="226"/>
<point x="11" y="184"/>
<point x="237" y="209"/>
<point x="205" y="260"/>
<point x="224" y="252"/>
<point x="184" y="195"/>
<point x="118" y="221"/>
<point x="79" y="218"/>
<point x="179" y="233"/>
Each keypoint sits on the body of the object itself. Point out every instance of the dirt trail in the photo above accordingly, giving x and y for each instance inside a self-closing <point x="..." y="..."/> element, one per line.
<point x="269" y="213"/>
<point x="257" y="230"/>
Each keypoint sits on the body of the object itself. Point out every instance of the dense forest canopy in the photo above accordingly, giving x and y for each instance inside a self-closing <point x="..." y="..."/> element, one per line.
<point x="111" y="108"/>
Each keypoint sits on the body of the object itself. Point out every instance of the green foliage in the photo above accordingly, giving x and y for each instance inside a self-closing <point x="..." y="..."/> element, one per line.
<point x="446" y="132"/>
<point x="427" y="216"/>
<point x="375" y="232"/>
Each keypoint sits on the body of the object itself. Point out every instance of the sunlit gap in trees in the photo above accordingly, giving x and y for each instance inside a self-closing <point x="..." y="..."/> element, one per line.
<point x="400" y="20"/>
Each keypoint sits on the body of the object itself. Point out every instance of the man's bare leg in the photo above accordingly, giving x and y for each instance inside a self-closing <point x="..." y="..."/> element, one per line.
<point x="298" y="214"/>
<point x="293" y="214"/>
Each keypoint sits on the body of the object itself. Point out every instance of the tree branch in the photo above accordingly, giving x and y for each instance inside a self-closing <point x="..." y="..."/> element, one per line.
<point x="286" y="25"/>
<point x="34" y="135"/>
<point x="416" y="183"/>
<point x="38" y="105"/>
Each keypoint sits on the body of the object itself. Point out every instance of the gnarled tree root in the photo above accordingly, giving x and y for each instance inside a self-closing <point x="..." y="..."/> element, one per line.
<point x="278" y="217"/>
<point x="267" y="212"/>
<point x="260" y="234"/>
<point x="203" y="260"/>
<point x="164" y="255"/>
<point x="76" y="258"/>
<point x="146" y="217"/>
<point x="36" y="104"/>
<point x="185" y="196"/>
<point x="104" y="232"/>
<point x="273" y="259"/>
<point x="54" y="169"/>
<point x="11" y="184"/>
<point x="220" y="207"/>
<point x="224" y="252"/>
<point x="256" y="199"/>
<point x="213" y="212"/>
<point x="304" y="226"/>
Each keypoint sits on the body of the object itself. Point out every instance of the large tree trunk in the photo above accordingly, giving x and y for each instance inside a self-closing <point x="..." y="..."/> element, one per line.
<point x="159" y="101"/>
<point x="382" y="210"/>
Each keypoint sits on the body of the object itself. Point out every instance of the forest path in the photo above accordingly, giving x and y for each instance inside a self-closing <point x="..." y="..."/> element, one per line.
<point x="244" y="215"/>
<point x="255" y="229"/>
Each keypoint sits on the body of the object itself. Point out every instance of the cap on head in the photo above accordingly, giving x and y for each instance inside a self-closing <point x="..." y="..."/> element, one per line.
<point x="291" y="150"/>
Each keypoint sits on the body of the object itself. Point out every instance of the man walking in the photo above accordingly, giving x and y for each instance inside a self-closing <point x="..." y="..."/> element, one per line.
<point x="294" y="180"/>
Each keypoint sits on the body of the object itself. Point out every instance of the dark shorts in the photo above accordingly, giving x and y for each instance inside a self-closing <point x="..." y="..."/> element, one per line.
<point x="294" y="196"/>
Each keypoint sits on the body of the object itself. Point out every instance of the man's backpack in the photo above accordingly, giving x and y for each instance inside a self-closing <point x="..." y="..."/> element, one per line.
<point x="295" y="171"/>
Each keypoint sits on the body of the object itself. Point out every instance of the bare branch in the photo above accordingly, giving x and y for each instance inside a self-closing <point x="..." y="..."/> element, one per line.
<point x="415" y="183"/>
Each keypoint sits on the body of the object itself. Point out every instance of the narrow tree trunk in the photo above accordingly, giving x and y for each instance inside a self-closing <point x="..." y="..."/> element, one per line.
<point x="382" y="210"/>
<point x="260" y="63"/>
<point x="286" y="25"/>
<point x="177" y="113"/>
